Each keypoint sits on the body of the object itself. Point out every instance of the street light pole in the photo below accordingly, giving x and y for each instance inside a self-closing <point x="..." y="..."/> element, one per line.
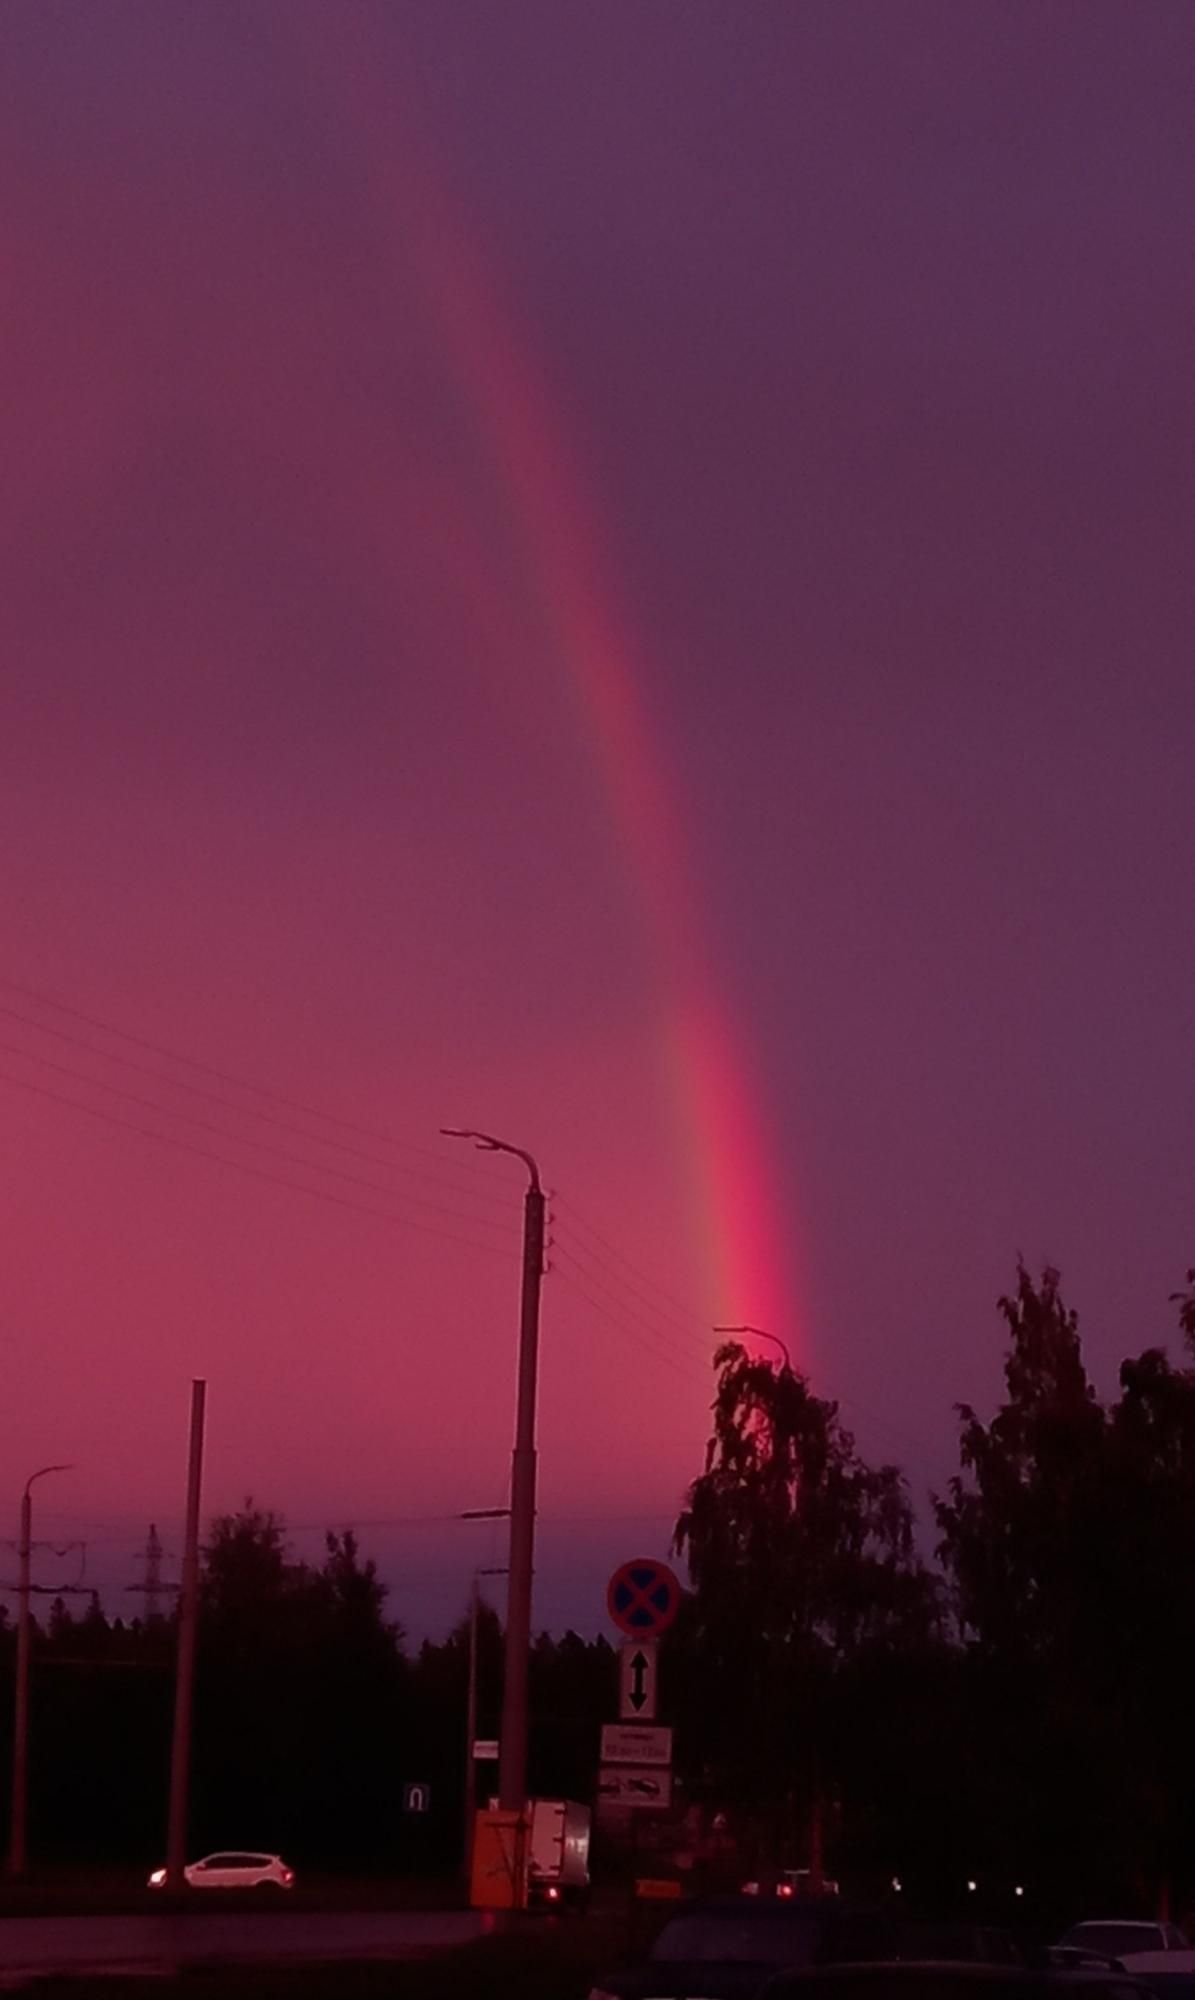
<point x="761" y="1333"/>
<point x="18" y="1836"/>
<point x="512" y="1765"/>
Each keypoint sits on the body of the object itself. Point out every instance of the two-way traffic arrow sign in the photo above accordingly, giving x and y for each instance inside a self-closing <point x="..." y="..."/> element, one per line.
<point x="637" y="1680"/>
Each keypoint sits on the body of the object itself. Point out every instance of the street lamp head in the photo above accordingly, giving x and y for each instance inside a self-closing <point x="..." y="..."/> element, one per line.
<point x="486" y="1143"/>
<point x="761" y="1333"/>
<point x="45" y="1469"/>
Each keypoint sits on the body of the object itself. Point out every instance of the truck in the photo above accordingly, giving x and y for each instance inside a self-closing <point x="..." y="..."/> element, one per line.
<point x="558" y="1854"/>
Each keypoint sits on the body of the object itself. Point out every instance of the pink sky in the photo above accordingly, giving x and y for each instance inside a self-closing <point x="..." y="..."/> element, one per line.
<point x="686" y="547"/>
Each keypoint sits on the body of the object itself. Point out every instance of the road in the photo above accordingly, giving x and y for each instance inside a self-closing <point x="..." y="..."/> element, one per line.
<point x="86" y="1944"/>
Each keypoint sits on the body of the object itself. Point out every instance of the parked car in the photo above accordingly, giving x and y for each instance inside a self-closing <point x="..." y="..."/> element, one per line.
<point x="790" y="1882"/>
<point x="939" y="1979"/>
<point x="1119" y="1937"/>
<point x="954" y="1941"/>
<point x="1169" y="1974"/>
<point x="728" y="1947"/>
<point x="232" y="1869"/>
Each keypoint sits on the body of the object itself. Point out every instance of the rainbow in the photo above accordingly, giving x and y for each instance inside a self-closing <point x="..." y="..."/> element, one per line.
<point x="745" y="1249"/>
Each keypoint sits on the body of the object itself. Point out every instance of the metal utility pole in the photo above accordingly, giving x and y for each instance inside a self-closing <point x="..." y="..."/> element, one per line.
<point x="152" y="1586"/>
<point x="188" y="1626"/>
<point x="761" y="1333"/>
<point x="512" y="1763"/>
<point x="18" y="1834"/>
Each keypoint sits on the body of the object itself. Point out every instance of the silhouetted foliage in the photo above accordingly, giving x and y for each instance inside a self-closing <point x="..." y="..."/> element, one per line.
<point x="802" y="1560"/>
<point x="1014" y="1528"/>
<point x="1022" y="1716"/>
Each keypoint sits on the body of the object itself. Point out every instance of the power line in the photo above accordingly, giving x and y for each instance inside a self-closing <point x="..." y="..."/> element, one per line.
<point x="623" y="1327"/>
<point x="637" y="1283"/>
<point x="221" y="1076"/>
<point x="687" y="1312"/>
<point x="682" y="1353"/>
<point x="670" y="1327"/>
<point x="476" y="1193"/>
<point x="242" y="1167"/>
<point x="240" y="1139"/>
<point x="568" y="1244"/>
<point x="340" y="1519"/>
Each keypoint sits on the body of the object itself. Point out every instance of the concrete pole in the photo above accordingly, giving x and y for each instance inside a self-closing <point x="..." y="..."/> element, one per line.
<point x="188" y="1626"/>
<point x="17" y="1855"/>
<point x="512" y="1765"/>
<point x="470" y="1738"/>
<point x="512" y="1759"/>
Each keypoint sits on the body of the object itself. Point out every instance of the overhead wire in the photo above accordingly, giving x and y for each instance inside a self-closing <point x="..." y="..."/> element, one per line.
<point x="627" y="1329"/>
<point x="566" y="1263"/>
<point x="687" y="1313"/>
<point x="600" y="1268"/>
<point x="243" y="1167"/>
<point x="507" y="1202"/>
<point x="221" y="1075"/>
<point x="566" y="1245"/>
<point x="563" y="1233"/>
<point x="243" y="1139"/>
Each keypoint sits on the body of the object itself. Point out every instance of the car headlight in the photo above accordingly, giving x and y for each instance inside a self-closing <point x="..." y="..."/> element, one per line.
<point x="158" y="1879"/>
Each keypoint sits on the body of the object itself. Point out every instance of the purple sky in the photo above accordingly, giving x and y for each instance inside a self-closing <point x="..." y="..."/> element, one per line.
<point x="866" y="331"/>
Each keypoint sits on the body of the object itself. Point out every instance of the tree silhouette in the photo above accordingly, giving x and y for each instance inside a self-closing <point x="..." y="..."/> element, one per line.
<point x="801" y="1558"/>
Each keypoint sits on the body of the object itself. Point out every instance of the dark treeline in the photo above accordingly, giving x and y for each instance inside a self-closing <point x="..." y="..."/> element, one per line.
<point x="311" y="1715"/>
<point x="1013" y="1707"/>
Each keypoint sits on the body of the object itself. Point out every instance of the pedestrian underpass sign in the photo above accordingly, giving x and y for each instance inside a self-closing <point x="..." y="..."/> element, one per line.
<point x="416" y="1798"/>
<point x="637" y="1661"/>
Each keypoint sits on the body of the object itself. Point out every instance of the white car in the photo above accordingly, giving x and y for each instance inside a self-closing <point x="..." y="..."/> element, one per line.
<point x="232" y="1870"/>
<point x="1117" y="1937"/>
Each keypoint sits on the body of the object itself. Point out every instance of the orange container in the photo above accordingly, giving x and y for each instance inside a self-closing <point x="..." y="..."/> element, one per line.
<point x="499" y="1880"/>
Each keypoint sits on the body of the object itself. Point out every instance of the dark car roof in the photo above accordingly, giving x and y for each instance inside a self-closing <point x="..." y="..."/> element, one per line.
<point x="768" y="1905"/>
<point x="904" y="1979"/>
<point x="738" y="1974"/>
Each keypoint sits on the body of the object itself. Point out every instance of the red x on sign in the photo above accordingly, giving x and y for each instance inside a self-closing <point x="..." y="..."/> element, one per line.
<point x="643" y="1598"/>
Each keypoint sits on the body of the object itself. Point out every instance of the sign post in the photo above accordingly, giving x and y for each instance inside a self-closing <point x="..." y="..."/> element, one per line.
<point x="643" y="1599"/>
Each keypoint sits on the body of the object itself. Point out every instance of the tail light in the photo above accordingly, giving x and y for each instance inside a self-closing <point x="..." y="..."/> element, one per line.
<point x="288" y="1878"/>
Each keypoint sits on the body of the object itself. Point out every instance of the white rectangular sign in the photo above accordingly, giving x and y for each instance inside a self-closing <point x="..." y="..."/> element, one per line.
<point x="636" y="1743"/>
<point x="625" y="1790"/>
<point x="485" y="1750"/>
<point x="637" y="1660"/>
